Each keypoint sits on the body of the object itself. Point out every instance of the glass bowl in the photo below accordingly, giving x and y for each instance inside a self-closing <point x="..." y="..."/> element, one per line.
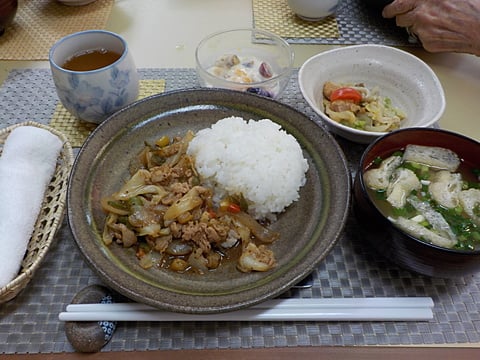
<point x="250" y="60"/>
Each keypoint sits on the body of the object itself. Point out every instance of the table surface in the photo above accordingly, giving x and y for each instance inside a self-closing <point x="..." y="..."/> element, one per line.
<point x="164" y="34"/>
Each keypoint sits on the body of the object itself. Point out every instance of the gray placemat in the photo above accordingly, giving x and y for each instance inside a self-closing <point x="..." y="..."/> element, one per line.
<point x="357" y="24"/>
<point x="30" y="324"/>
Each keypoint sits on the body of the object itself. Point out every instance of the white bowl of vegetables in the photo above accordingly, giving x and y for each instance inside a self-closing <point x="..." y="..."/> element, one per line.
<point x="362" y="92"/>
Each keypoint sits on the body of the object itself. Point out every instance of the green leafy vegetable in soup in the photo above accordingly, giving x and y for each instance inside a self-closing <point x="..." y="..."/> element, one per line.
<point x="429" y="193"/>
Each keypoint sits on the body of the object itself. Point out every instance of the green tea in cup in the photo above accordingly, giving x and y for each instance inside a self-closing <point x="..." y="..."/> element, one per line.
<point x="91" y="59"/>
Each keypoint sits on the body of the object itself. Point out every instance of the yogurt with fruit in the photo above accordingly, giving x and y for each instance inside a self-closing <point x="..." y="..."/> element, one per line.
<point x="244" y="70"/>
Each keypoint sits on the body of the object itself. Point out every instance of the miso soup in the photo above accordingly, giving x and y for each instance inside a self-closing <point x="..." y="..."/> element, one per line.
<point x="436" y="202"/>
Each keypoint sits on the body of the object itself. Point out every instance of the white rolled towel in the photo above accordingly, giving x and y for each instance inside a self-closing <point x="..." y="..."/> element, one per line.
<point x="27" y="165"/>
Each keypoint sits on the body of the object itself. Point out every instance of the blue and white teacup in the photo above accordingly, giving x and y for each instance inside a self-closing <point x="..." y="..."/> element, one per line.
<point x="93" y="95"/>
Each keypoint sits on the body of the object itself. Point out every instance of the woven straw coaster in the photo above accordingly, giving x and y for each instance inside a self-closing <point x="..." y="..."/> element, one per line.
<point x="77" y="131"/>
<point x="38" y="24"/>
<point x="277" y="17"/>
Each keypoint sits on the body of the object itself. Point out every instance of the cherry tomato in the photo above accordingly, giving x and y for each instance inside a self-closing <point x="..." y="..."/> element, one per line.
<point x="346" y="93"/>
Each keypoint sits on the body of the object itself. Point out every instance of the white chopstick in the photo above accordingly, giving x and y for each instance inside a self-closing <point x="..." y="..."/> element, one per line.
<point x="345" y="309"/>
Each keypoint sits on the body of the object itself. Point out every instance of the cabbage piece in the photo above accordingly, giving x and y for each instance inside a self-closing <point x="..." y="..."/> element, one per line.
<point x="108" y="233"/>
<point x="182" y="150"/>
<point x="153" y="230"/>
<point x="187" y="202"/>
<point x="380" y="128"/>
<point x="433" y="156"/>
<point x="444" y="188"/>
<point x="383" y="119"/>
<point x="413" y="228"/>
<point x="143" y="214"/>
<point x="346" y="117"/>
<point x="255" y="258"/>
<point x="198" y="261"/>
<point x="403" y="182"/>
<point x="392" y="111"/>
<point x="379" y="178"/>
<point x="138" y="185"/>
<point x="374" y="110"/>
<point x="110" y="205"/>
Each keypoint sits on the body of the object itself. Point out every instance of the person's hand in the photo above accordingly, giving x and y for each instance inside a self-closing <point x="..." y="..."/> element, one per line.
<point x="440" y="25"/>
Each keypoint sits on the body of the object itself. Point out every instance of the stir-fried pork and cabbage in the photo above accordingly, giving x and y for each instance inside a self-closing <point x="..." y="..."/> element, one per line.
<point x="170" y="219"/>
<point x="428" y="192"/>
<point x="356" y="106"/>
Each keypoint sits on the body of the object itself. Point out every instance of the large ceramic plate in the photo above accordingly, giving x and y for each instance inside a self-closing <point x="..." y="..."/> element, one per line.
<point x="309" y="228"/>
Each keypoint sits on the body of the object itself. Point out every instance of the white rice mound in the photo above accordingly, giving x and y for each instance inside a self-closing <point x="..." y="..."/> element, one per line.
<point x="255" y="158"/>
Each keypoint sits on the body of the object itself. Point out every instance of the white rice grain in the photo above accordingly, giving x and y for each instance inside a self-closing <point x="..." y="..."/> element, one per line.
<point x="255" y="158"/>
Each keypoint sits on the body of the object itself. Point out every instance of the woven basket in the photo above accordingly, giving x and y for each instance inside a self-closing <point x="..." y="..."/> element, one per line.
<point x="49" y="219"/>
